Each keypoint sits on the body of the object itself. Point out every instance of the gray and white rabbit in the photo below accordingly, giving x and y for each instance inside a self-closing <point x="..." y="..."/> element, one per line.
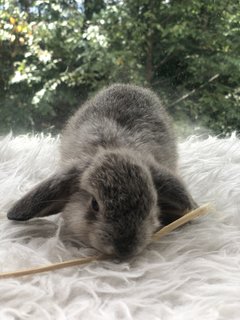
<point x="118" y="182"/>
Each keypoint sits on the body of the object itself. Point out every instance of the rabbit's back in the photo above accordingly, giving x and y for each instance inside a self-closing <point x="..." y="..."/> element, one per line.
<point x="121" y="116"/>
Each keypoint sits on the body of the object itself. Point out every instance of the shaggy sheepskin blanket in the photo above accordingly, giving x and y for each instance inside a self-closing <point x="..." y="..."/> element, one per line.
<point x="193" y="273"/>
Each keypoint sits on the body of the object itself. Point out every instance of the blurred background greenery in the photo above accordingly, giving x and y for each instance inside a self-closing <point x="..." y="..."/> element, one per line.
<point x="54" y="54"/>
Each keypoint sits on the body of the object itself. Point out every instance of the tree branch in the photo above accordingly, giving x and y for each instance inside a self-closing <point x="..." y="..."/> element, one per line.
<point x="185" y="96"/>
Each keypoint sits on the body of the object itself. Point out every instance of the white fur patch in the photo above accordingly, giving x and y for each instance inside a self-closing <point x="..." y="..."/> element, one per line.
<point x="193" y="273"/>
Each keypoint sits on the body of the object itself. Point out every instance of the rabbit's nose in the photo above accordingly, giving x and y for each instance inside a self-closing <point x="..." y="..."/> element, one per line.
<point x="123" y="249"/>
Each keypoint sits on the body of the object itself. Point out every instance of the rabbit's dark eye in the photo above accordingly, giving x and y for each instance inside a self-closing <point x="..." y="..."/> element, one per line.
<point x="95" y="205"/>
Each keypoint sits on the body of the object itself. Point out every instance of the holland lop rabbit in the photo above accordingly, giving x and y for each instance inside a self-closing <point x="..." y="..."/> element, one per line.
<point x="117" y="183"/>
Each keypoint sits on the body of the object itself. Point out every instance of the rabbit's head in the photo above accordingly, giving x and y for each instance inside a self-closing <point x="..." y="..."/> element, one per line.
<point x="114" y="204"/>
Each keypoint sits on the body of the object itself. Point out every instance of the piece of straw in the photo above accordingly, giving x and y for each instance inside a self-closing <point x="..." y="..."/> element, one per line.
<point x="77" y="262"/>
<point x="183" y="220"/>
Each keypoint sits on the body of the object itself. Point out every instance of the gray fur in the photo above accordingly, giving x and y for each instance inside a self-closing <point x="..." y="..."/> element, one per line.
<point x="119" y="149"/>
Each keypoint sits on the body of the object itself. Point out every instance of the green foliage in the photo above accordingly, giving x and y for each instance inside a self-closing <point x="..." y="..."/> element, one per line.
<point x="56" y="53"/>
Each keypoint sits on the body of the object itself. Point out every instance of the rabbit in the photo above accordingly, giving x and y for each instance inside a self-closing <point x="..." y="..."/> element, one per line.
<point x="117" y="181"/>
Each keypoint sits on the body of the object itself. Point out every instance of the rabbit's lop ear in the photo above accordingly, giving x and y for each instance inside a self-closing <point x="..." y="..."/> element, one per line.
<point x="47" y="198"/>
<point x="173" y="198"/>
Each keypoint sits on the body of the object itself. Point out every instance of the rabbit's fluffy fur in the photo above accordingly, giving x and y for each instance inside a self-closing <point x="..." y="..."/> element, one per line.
<point x="117" y="181"/>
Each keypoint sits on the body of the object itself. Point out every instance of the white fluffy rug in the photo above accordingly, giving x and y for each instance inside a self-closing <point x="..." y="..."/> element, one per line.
<point x="191" y="274"/>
